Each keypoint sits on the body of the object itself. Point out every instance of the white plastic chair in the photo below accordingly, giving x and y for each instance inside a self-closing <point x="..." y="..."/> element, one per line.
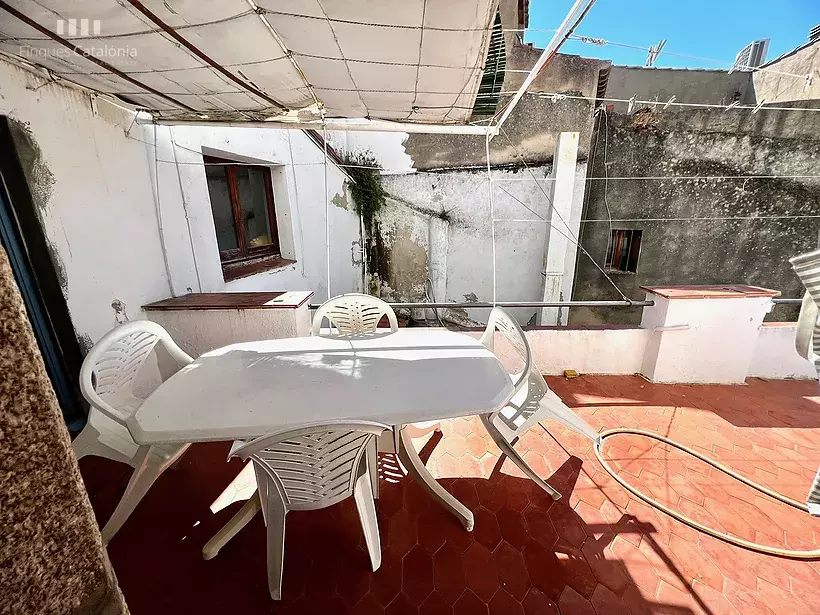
<point x="807" y="337"/>
<point x="107" y="380"/>
<point x="532" y="400"/>
<point x="310" y="468"/>
<point x="354" y="314"/>
<point x="357" y="314"/>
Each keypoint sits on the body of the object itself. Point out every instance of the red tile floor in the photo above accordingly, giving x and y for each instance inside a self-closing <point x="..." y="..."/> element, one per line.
<point x="596" y="551"/>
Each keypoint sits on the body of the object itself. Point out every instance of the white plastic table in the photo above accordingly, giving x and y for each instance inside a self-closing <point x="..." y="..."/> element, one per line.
<point x="251" y="389"/>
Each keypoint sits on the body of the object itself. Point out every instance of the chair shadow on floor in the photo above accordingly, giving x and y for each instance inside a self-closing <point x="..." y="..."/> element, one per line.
<point x="525" y="548"/>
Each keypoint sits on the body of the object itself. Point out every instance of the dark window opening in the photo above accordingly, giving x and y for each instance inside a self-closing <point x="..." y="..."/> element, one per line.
<point x="624" y="249"/>
<point x="244" y="216"/>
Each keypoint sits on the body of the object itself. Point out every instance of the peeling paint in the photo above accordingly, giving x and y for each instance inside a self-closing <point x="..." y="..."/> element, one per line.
<point x="84" y="340"/>
<point x="120" y="311"/>
<point x="340" y="200"/>
<point x="39" y="178"/>
<point x="59" y="267"/>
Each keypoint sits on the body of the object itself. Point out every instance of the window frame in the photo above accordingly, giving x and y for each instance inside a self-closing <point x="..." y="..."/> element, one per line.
<point x="634" y="244"/>
<point x="246" y="260"/>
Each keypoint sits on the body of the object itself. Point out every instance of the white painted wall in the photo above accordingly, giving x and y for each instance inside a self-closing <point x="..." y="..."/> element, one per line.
<point x="523" y="235"/>
<point x="112" y="231"/>
<point x="297" y="166"/>
<point x="386" y="147"/>
<point x="99" y="212"/>
<point x="774" y="354"/>
<point x="702" y="340"/>
<point x="587" y="351"/>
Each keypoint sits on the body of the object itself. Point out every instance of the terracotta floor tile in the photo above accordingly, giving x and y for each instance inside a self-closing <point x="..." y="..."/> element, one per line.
<point x="637" y="566"/>
<point x="367" y="606"/>
<point x="402" y="532"/>
<point x="475" y="445"/>
<point x="567" y="524"/>
<point x="448" y="573"/>
<point x="607" y="603"/>
<point x="572" y="603"/>
<point x="606" y="567"/>
<point x="536" y="603"/>
<point x="597" y="549"/>
<point x="512" y="571"/>
<point x="401" y="605"/>
<point x="417" y="574"/>
<point x="575" y="570"/>
<point x="480" y="572"/>
<point x="503" y="603"/>
<point x="544" y="569"/>
<point x="745" y="601"/>
<point x="513" y="528"/>
<point x="435" y="604"/>
<point x="469" y="604"/>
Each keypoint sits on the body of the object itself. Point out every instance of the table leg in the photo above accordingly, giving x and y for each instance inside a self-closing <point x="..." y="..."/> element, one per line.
<point x="232" y="527"/>
<point x="410" y="458"/>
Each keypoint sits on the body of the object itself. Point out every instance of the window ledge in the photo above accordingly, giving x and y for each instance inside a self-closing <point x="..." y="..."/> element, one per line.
<point x="243" y="269"/>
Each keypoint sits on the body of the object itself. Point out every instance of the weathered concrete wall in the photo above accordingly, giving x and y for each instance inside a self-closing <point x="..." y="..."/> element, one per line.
<point x="115" y="240"/>
<point x="702" y="231"/>
<point x="773" y="87"/>
<point x="461" y="199"/>
<point x="532" y="129"/>
<point x="687" y="86"/>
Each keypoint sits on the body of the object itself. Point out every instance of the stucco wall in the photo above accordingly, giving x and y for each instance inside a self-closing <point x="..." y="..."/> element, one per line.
<point x="772" y="86"/>
<point x="92" y="187"/>
<point x="534" y="125"/>
<point x="702" y="231"/>
<point x="91" y="171"/>
<point x="461" y="198"/>
<point x="297" y="171"/>
<point x="717" y="87"/>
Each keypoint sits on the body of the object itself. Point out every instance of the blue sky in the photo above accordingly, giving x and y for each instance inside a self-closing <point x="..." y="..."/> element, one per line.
<point x="715" y="29"/>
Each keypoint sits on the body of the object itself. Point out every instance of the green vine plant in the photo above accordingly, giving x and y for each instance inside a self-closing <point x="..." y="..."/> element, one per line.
<point x="366" y="187"/>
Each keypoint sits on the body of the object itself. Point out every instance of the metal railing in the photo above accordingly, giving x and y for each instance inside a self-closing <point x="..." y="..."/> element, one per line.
<point x="516" y="304"/>
<point x="541" y="304"/>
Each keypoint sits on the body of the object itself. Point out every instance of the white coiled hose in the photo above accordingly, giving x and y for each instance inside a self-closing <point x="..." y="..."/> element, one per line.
<point x="752" y="546"/>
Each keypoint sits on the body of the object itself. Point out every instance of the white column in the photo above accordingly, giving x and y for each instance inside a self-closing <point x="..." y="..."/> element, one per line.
<point x="703" y="334"/>
<point x="563" y="227"/>
<point x="438" y="242"/>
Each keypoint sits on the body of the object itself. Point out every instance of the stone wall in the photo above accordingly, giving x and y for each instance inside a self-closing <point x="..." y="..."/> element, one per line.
<point x="716" y="87"/>
<point x="700" y="226"/>
<point x="52" y="559"/>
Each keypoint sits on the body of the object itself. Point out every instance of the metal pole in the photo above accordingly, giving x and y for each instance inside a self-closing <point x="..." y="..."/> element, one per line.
<point x="788" y="301"/>
<point x="573" y="18"/>
<point x="518" y="304"/>
<point x="367" y="126"/>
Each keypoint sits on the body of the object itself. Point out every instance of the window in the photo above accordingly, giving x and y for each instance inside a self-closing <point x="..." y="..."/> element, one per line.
<point x="623" y="251"/>
<point x="244" y="216"/>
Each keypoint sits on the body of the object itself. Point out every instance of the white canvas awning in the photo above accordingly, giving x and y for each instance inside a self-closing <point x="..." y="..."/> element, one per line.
<point x="240" y="60"/>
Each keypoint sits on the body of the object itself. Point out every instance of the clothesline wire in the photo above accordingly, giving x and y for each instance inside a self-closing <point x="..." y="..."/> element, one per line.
<point x="467" y="169"/>
<point x="557" y="96"/>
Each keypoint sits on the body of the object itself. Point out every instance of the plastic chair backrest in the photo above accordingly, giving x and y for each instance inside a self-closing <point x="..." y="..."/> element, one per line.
<point x="500" y="320"/>
<point x="111" y="367"/>
<point x="311" y="467"/>
<point x="807" y="338"/>
<point x="354" y="314"/>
